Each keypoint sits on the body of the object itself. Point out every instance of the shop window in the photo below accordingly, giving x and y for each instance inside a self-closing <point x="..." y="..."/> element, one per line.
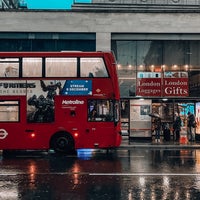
<point x="125" y="112"/>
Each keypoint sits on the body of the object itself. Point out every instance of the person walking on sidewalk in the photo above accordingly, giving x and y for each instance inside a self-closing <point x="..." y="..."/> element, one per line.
<point x="177" y="126"/>
<point x="191" y="124"/>
<point x="158" y="125"/>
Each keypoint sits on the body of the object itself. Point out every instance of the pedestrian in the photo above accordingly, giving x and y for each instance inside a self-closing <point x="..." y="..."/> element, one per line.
<point x="157" y="125"/>
<point x="166" y="132"/>
<point x="177" y="126"/>
<point x="93" y="114"/>
<point x="191" y="125"/>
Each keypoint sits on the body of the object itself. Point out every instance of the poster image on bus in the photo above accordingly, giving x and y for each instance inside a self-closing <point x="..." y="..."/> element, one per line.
<point x="58" y="100"/>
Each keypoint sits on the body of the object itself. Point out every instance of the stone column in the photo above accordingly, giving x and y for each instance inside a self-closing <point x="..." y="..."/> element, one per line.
<point x="103" y="41"/>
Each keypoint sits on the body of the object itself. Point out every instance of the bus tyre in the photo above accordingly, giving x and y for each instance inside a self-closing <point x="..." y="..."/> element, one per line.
<point x="62" y="143"/>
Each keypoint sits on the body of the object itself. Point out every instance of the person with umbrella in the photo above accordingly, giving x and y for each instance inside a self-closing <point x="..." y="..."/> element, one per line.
<point x="191" y="124"/>
<point x="158" y="126"/>
<point x="177" y="126"/>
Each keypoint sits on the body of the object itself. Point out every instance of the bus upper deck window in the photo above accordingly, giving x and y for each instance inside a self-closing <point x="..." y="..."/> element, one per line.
<point x="93" y="67"/>
<point x="32" y="67"/>
<point x="9" y="67"/>
<point x="61" y="67"/>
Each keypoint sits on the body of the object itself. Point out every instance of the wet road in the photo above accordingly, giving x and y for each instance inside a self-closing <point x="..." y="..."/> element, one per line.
<point x="94" y="175"/>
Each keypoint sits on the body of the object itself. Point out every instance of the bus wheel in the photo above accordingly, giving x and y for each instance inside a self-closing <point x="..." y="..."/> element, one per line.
<point x="62" y="143"/>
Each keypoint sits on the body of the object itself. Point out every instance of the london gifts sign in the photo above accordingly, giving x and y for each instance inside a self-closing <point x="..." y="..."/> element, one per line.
<point x="165" y="84"/>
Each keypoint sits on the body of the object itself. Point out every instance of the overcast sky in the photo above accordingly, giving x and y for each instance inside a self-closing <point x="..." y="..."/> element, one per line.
<point x="52" y="4"/>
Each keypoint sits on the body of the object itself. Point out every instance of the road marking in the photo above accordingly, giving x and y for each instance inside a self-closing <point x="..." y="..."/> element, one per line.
<point x="44" y="173"/>
<point x="143" y="174"/>
<point x="181" y="156"/>
<point x="130" y="156"/>
<point x="10" y="174"/>
<point x="104" y="174"/>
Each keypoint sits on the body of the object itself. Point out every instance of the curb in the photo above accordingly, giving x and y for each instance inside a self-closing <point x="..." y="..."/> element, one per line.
<point x="160" y="146"/>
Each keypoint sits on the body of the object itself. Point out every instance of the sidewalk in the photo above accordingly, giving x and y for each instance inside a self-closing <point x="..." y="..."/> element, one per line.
<point x="127" y="144"/>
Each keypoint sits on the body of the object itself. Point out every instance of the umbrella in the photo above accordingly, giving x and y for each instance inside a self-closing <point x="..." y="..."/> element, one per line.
<point x="156" y="115"/>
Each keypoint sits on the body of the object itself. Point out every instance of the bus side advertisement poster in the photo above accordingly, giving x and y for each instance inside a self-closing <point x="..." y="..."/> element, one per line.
<point x="36" y="87"/>
<point x="77" y="87"/>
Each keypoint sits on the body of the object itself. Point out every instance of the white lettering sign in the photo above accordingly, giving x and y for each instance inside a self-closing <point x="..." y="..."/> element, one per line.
<point x="70" y="102"/>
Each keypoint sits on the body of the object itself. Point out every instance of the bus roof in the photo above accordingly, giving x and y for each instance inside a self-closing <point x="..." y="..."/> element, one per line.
<point x="57" y="54"/>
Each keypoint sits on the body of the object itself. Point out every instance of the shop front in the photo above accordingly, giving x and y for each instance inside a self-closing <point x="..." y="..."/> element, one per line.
<point x="158" y="78"/>
<point x="138" y="123"/>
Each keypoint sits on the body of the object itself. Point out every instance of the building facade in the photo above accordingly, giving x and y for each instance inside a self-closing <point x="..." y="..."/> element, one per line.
<point x="156" y="44"/>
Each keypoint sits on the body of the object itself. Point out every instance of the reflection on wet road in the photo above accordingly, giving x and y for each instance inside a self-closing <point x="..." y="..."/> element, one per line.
<point x="119" y="175"/>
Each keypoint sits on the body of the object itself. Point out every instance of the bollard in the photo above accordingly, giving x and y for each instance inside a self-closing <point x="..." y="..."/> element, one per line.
<point x="183" y="136"/>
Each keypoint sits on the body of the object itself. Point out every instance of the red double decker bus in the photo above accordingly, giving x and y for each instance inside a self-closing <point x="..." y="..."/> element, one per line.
<point x="58" y="100"/>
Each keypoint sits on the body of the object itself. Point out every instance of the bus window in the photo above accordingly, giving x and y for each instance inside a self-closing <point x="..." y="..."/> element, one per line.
<point x="9" y="111"/>
<point x="9" y="67"/>
<point x="32" y="67"/>
<point x="61" y="67"/>
<point x="93" y="67"/>
<point x="100" y="110"/>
